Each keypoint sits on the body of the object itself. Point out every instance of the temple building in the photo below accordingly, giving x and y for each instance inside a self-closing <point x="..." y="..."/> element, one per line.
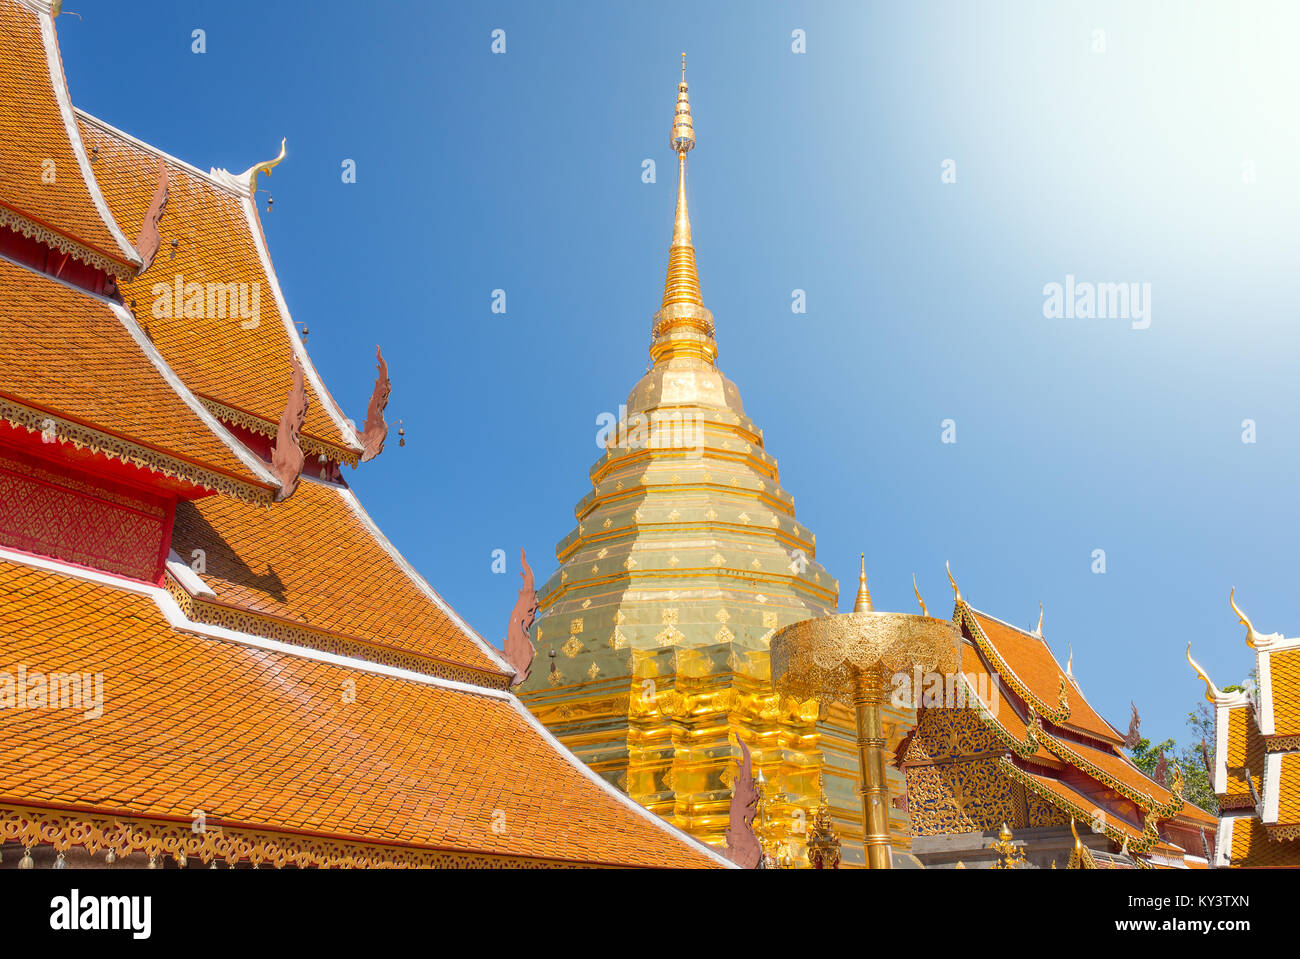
<point x="1255" y="762"/>
<point x="209" y="653"/>
<point x="1017" y="744"/>
<point x="653" y="633"/>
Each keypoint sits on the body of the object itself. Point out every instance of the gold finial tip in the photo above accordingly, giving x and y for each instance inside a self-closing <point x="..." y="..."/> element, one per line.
<point x="863" y="602"/>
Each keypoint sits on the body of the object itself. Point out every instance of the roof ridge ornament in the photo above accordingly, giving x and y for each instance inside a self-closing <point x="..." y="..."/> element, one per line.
<point x="287" y="457"/>
<point x="150" y="239"/>
<point x="1212" y="692"/>
<point x="1254" y="638"/>
<point x="955" y="590"/>
<point x="924" y="611"/>
<point x="1038" y="630"/>
<point x="376" y="428"/>
<point x="266" y="166"/>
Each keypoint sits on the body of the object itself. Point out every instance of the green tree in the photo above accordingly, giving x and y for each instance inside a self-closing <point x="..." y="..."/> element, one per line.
<point x="1197" y="788"/>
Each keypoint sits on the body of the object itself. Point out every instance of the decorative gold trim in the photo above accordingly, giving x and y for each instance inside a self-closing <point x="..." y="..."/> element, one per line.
<point x="217" y="614"/>
<point x="1057" y="716"/>
<point x="255" y="424"/>
<point x="1148" y="838"/>
<point x="124" y="451"/>
<point x="64" y="244"/>
<point x="124" y="834"/>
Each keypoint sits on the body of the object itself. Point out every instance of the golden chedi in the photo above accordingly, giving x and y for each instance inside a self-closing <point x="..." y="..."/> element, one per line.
<point x="652" y="636"/>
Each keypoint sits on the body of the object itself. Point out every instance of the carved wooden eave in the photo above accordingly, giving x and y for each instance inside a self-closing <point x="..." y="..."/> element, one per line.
<point x="287" y="457"/>
<point x="150" y="239"/>
<point x="519" y="649"/>
<point x="376" y="429"/>
<point x="743" y="847"/>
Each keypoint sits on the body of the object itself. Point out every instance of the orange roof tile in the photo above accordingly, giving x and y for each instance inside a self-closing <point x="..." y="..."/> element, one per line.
<point x="1032" y="661"/>
<point x="1084" y="808"/>
<point x="1004" y="710"/>
<point x="314" y="561"/>
<point x="245" y="369"/>
<point x="261" y="739"/>
<point x="1252" y="847"/>
<point x="1284" y="670"/>
<point x="1245" y="750"/>
<point x="44" y="173"/>
<point x="1289" y="790"/>
<point x="73" y="355"/>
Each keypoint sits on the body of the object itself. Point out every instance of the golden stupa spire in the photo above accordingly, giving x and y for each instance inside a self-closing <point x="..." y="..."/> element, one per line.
<point x="863" y="604"/>
<point x="682" y="325"/>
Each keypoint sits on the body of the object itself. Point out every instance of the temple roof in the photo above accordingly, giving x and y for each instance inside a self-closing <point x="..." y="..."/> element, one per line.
<point x="47" y="189"/>
<point x="263" y="739"/>
<point x="318" y="561"/>
<point x="81" y="364"/>
<point x="1030" y="659"/>
<point x="242" y="371"/>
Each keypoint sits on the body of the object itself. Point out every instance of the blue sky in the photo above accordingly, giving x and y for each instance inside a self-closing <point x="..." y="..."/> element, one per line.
<point x="1171" y="157"/>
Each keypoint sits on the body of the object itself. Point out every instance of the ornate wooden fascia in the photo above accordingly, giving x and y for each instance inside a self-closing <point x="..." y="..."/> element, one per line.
<point x="150" y="239"/>
<point x="1032" y="724"/>
<point x="376" y="429"/>
<point x="287" y="457"/>
<point x="1063" y="752"/>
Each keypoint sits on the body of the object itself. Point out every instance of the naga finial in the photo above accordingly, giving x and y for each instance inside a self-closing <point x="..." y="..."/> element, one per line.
<point x="956" y="591"/>
<point x="266" y="166"/>
<point x="1243" y="619"/>
<point x="1211" y="691"/>
<point x="1038" y="630"/>
<point x="1069" y="663"/>
<point x="924" y="611"/>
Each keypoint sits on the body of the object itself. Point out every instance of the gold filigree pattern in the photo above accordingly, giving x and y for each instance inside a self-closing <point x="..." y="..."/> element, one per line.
<point x="961" y="797"/>
<point x="48" y="237"/>
<point x="64" y="830"/>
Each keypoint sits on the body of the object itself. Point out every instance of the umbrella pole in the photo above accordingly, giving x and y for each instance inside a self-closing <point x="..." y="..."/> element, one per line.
<point x="868" y="702"/>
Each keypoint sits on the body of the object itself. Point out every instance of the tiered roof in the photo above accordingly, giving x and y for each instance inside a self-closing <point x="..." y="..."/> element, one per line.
<point x="241" y="371"/>
<point x="1256" y="773"/>
<point x="1049" y="740"/>
<point x="65" y="354"/>
<point x="290" y="677"/>
<point x="49" y="192"/>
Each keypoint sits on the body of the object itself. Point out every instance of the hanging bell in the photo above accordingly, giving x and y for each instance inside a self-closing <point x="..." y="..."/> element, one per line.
<point x="27" y="862"/>
<point x="401" y="436"/>
<point x="270" y="202"/>
<point x="182" y="860"/>
<point x="111" y="857"/>
<point x="153" y="862"/>
<point x="60" y="862"/>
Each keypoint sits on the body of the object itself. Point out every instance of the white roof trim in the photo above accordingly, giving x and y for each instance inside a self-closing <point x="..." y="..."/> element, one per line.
<point x="1264" y="694"/>
<point x="259" y="241"/>
<point x="420" y="582"/>
<point x="1271" y="783"/>
<point x="60" y="85"/>
<point x="187" y="577"/>
<point x="153" y="150"/>
<point x="680" y="835"/>
<point x="1221" y="711"/>
<point x="242" y="453"/>
<point x="177" y="620"/>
